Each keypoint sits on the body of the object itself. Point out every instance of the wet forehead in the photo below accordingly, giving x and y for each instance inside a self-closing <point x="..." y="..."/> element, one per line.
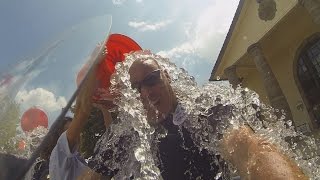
<point x="139" y="69"/>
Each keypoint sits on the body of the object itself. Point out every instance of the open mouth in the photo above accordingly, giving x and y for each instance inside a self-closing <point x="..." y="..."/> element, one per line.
<point x="155" y="102"/>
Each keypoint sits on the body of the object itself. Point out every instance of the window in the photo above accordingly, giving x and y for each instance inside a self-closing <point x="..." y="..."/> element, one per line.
<point x="309" y="75"/>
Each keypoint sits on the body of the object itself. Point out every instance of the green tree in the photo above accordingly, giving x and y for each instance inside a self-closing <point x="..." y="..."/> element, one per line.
<point x="9" y="121"/>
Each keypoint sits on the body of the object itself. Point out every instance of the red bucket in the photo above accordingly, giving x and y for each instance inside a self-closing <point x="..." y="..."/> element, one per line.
<point x="117" y="46"/>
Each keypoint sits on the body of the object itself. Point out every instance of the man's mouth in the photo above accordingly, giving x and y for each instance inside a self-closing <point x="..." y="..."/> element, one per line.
<point x="155" y="102"/>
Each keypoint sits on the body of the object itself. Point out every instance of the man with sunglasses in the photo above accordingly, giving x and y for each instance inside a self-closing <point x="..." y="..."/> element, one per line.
<point x="178" y="155"/>
<point x="254" y="157"/>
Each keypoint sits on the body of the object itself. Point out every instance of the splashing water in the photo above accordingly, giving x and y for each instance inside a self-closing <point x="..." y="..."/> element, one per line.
<point x="132" y="132"/>
<point x="25" y="143"/>
<point x="133" y="138"/>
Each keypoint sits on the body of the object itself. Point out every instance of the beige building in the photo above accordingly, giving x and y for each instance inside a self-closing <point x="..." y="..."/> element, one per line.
<point x="273" y="48"/>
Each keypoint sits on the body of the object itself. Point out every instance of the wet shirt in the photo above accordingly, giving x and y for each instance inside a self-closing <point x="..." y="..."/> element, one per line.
<point x="41" y="170"/>
<point x="118" y="154"/>
<point x="179" y="156"/>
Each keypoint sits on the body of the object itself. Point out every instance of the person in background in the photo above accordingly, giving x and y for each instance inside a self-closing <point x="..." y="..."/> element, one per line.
<point x="8" y="163"/>
<point x="41" y="168"/>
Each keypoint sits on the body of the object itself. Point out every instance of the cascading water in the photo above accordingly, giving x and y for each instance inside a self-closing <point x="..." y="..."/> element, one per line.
<point x="130" y="139"/>
<point x="131" y="131"/>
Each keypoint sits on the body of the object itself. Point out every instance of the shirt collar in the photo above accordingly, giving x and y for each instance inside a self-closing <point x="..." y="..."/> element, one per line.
<point x="179" y="115"/>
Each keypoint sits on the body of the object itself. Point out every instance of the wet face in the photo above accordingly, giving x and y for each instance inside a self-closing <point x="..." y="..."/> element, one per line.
<point x="153" y="83"/>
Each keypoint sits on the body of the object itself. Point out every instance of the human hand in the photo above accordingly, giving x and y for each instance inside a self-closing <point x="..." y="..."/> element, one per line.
<point x="103" y="99"/>
<point x="105" y="112"/>
<point x="105" y="103"/>
<point x="236" y="145"/>
<point x="256" y="158"/>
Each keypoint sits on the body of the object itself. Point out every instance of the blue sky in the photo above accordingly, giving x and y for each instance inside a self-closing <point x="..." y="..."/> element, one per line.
<point x="189" y="32"/>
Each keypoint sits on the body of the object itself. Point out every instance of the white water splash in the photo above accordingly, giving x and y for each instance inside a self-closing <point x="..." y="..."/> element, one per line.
<point x="245" y="109"/>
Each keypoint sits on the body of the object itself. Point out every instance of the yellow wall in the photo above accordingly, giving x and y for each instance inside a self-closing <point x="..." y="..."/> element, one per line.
<point x="280" y="49"/>
<point x="254" y="82"/>
<point x="280" y="40"/>
<point x="250" y="29"/>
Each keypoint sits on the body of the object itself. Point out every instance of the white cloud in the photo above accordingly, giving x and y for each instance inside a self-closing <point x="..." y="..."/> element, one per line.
<point x="42" y="98"/>
<point x="177" y="52"/>
<point x="120" y="2"/>
<point x="188" y="29"/>
<point x="144" y="26"/>
<point x="206" y="35"/>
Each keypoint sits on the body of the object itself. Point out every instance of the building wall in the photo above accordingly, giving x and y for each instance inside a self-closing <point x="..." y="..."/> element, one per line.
<point x="280" y="48"/>
<point x="280" y="40"/>
<point x="250" y="29"/>
<point x="254" y="82"/>
<point x="282" y="67"/>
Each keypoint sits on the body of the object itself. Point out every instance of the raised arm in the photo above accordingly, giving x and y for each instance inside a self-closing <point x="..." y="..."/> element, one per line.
<point x="82" y="112"/>
<point x="255" y="158"/>
<point x="64" y="161"/>
<point x="84" y="102"/>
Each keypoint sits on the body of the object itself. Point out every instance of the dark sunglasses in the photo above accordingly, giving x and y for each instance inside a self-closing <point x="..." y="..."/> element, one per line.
<point x="150" y="80"/>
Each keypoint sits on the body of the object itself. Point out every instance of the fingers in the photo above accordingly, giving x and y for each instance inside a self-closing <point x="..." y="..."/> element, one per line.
<point x="103" y="94"/>
<point x="98" y="106"/>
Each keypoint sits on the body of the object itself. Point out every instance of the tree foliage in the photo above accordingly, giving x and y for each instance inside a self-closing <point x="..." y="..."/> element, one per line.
<point x="9" y="121"/>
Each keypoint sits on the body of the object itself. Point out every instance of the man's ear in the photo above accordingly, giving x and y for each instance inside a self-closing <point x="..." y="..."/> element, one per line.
<point x="167" y="75"/>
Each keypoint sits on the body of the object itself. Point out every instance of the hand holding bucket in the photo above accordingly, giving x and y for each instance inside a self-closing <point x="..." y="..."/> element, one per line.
<point x="116" y="48"/>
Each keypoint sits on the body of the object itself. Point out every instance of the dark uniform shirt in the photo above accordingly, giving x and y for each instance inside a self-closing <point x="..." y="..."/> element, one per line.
<point x="179" y="157"/>
<point x="41" y="170"/>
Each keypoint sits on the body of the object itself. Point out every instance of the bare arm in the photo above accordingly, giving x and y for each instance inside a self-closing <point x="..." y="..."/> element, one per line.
<point x="75" y="129"/>
<point x="255" y="158"/>
<point x="83" y="103"/>
<point x="106" y="114"/>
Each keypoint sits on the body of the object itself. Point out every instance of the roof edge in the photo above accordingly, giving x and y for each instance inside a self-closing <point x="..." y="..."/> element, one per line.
<point x="227" y="39"/>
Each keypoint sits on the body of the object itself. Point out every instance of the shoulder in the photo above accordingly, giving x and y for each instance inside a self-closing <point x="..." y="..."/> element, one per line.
<point x="218" y="112"/>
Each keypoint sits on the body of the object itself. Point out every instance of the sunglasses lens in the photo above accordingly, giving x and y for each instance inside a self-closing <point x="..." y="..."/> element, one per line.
<point x="136" y="86"/>
<point x="152" y="79"/>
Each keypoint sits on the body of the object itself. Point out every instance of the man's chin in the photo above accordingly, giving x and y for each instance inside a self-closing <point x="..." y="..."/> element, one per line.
<point x="152" y="122"/>
<point x="151" y="113"/>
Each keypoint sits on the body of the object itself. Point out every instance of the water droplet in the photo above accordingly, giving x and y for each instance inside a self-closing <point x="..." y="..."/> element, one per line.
<point x="218" y="176"/>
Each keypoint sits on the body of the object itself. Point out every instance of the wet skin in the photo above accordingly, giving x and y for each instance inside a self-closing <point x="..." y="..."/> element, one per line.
<point x="159" y="94"/>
